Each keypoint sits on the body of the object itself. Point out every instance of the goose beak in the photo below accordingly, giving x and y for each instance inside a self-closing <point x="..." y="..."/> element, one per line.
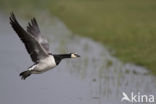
<point x="77" y="55"/>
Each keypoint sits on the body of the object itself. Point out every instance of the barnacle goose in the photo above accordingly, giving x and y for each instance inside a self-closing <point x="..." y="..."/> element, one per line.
<point x="37" y="47"/>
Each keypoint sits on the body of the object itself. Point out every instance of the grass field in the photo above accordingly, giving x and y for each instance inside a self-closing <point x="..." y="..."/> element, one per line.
<point x="126" y="26"/>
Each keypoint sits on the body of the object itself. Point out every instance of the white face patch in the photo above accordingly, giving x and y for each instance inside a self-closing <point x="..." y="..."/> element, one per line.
<point x="73" y="56"/>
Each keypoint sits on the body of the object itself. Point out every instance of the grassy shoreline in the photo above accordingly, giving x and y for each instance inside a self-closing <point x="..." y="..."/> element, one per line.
<point x="128" y="27"/>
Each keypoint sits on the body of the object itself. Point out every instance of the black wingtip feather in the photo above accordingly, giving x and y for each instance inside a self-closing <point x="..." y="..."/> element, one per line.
<point x="34" y="22"/>
<point x="12" y="19"/>
<point x="33" y="27"/>
<point x="12" y="16"/>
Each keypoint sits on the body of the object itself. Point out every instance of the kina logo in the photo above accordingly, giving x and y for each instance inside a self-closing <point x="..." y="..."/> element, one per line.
<point x="137" y="98"/>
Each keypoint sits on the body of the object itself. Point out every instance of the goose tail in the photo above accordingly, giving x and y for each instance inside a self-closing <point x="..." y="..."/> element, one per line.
<point x="25" y="74"/>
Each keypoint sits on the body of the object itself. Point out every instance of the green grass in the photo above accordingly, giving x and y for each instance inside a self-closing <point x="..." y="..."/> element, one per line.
<point x="126" y="26"/>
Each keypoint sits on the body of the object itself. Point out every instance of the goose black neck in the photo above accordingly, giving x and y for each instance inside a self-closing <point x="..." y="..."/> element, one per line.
<point x="59" y="57"/>
<point x="62" y="56"/>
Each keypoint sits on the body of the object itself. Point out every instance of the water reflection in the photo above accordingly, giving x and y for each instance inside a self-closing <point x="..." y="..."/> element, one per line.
<point x="95" y="78"/>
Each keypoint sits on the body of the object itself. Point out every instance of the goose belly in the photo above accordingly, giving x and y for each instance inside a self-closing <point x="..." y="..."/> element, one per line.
<point x="46" y="64"/>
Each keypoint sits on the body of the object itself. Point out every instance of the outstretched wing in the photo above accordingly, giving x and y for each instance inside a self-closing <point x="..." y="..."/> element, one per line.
<point x="32" y="45"/>
<point x="34" y="30"/>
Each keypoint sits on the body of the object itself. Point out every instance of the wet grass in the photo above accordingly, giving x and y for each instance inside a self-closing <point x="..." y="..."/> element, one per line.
<point x="126" y="26"/>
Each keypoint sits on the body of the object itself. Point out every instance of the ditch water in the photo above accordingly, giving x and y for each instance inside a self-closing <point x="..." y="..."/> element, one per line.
<point x="94" y="78"/>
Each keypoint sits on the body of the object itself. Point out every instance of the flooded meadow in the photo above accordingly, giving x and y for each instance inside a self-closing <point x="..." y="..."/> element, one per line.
<point x="96" y="77"/>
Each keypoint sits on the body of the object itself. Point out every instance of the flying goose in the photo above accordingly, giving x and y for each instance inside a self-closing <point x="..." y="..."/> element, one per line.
<point x="37" y="47"/>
